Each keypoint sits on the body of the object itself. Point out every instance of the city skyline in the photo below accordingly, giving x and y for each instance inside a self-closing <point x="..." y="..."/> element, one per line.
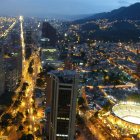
<point x="54" y="8"/>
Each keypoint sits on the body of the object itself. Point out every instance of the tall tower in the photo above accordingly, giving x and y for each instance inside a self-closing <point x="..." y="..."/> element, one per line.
<point x="48" y="31"/>
<point x="63" y="93"/>
<point x="138" y="66"/>
<point x="2" y="73"/>
<point x="29" y="43"/>
<point x="49" y="54"/>
<point x="138" y="73"/>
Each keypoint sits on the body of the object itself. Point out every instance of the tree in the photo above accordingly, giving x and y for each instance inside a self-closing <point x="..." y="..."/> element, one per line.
<point x="27" y="113"/>
<point x="6" y="120"/>
<point x="7" y="116"/>
<point x="30" y="137"/>
<point x="22" y="93"/>
<point x="4" y="124"/>
<point x="16" y="104"/>
<point x="39" y="82"/>
<point x="24" y="86"/>
<point x="20" y="128"/>
<point x="23" y="137"/>
<point x="81" y="101"/>
<point x="30" y="70"/>
<point x="19" y="117"/>
<point x="107" y="106"/>
<point x="79" y="119"/>
<point x="27" y="137"/>
<point x="26" y="122"/>
<point x="96" y="114"/>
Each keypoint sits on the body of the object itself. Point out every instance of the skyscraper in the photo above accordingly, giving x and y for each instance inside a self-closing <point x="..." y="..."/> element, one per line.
<point x="138" y="73"/>
<point x="63" y="93"/>
<point x="49" y="32"/>
<point x="49" y="54"/>
<point x="2" y="73"/>
<point x="29" y="43"/>
<point x="12" y="65"/>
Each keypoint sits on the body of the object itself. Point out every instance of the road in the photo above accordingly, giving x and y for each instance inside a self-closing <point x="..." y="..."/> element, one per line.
<point x="8" y="30"/>
<point x="27" y="101"/>
<point x="97" y="127"/>
<point x="21" y="19"/>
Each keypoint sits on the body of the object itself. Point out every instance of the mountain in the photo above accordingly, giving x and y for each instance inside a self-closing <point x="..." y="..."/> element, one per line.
<point x="130" y="12"/>
<point x="119" y="31"/>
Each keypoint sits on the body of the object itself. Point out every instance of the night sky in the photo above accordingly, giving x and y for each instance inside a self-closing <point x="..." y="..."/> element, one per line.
<point x="59" y="7"/>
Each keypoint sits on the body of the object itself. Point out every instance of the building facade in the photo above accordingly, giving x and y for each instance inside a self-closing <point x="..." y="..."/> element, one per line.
<point x="2" y="73"/>
<point x="63" y="93"/>
<point x="138" y="73"/>
<point x="13" y="66"/>
<point x="49" y="54"/>
<point x="12" y="73"/>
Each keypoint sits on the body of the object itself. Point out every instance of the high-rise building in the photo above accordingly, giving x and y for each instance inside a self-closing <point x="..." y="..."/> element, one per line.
<point x="15" y="38"/>
<point x="49" y="31"/>
<point x="13" y="66"/>
<point x="17" y="59"/>
<point x="29" y="43"/>
<point x="2" y="73"/>
<point x="12" y="73"/>
<point x="49" y="54"/>
<point x="28" y="38"/>
<point x="62" y="93"/>
<point x="138" y="73"/>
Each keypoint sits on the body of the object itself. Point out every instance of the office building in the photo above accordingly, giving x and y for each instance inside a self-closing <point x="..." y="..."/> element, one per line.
<point x="62" y="93"/>
<point x="15" y="38"/>
<point x="12" y="73"/>
<point x="2" y="73"/>
<point x="29" y="44"/>
<point x="49" y="54"/>
<point x="138" y="73"/>
<point x="49" y="31"/>
<point x="12" y="65"/>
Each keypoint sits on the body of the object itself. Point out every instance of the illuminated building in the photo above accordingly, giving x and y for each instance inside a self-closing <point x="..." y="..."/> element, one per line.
<point x="44" y="42"/>
<point x="49" y="54"/>
<point x="62" y="92"/>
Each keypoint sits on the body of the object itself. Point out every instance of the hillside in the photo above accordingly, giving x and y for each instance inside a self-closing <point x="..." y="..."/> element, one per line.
<point x="131" y="12"/>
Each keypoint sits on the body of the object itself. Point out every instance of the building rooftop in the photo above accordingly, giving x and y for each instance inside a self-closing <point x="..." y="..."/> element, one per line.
<point x="65" y="76"/>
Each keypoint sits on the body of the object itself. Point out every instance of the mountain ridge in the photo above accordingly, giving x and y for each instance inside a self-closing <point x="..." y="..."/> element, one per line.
<point x="131" y="12"/>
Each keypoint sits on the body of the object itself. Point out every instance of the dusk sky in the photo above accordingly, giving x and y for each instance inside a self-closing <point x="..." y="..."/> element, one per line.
<point x="59" y="7"/>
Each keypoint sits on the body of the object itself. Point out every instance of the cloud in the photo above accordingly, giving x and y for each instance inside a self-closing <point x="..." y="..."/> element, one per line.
<point x="127" y="2"/>
<point x="123" y="2"/>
